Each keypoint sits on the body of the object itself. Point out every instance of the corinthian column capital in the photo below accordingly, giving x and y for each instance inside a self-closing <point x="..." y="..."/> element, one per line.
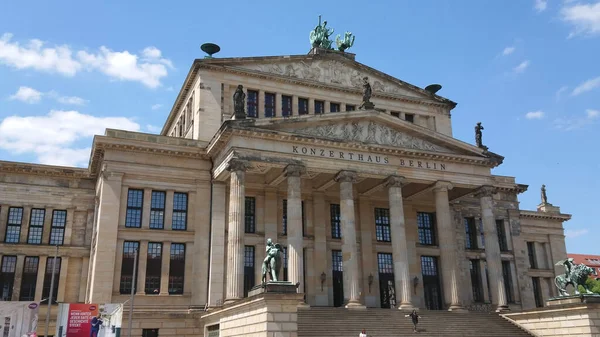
<point x="442" y="186"/>
<point x="395" y="181"/>
<point x="346" y="176"/>
<point x="237" y="165"/>
<point x="294" y="170"/>
<point x="485" y="191"/>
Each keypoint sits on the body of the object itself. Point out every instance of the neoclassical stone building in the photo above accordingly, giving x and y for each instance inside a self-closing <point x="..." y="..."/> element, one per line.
<point x="377" y="207"/>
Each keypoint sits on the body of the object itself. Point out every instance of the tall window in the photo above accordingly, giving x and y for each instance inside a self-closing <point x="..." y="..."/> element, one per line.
<point x="250" y="215"/>
<point x="507" y="281"/>
<point x="48" y="278"/>
<point x="336" y="229"/>
<point x="471" y="233"/>
<point x="284" y="218"/>
<point x="7" y="277"/>
<point x="177" y="268"/>
<point x="426" y="224"/>
<point x="57" y="229"/>
<point x="531" y="254"/>
<point x="180" y="206"/>
<point x="537" y="292"/>
<point x="409" y="118"/>
<point x="153" y="268"/>
<point x="482" y="234"/>
<point x="285" y="264"/>
<point x="382" y="225"/>
<point x="29" y="280"/>
<point x="130" y="250"/>
<point x="13" y="228"/>
<point x="252" y="103"/>
<point x="286" y="106"/>
<point x="476" y="280"/>
<point x="248" y="269"/>
<point x="269" y="105"/>
<point x="319" y="107"/>
<point x="302" y="106"/>
<point x="350" y="107"/>
<point x="36" y="226"/>
<point x="334" y="107"/>
<point x="337" y="260"/>
<point x="157" y="210"/>
<point x="501" y="235"/>
<point x="135" y="200"/>
<point x="385" y="263"/>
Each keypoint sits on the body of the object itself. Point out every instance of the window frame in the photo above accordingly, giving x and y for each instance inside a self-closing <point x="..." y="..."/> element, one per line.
<point x="134" y="213"/>
<point x="7" y="278"/>
<point x="476" y="281"/>
<point x="39" y="226"/>
<point x="252" y="104"/>
<point x="48" y="278"/>
<point x="470" y="233"/>
<point x="532" y="255"/>
<point x="301" y="101"/>
<point x="153" y="268"/>
<point x="337" y="105"/>
<point x="335" y="218"/>
<point x="176" y="284"/>
<point x="29" y="279"/>
<point x="182" y="211"/>
<point x="54" y="227"/>
<point x="286" y="111"/>
<point x="409" y="118"/>
<point x="14" y="224"/>
<point x="501" y="232"/>
<point x="350" y="107"/>
<point x="383" y="230"/>
<point x="427" y="233"/>
<point x="160" y="211"/>
<point x="250" y="214"/>
<point x="249" y="268"/>
<point x="125" y="270"/>
<point x="508" y="285"/>
<point x="270" y="109"/>
<point x="321" y="104"/>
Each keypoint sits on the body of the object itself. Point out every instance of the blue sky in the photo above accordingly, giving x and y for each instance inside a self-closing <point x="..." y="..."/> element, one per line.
<point x="527" y="69"/>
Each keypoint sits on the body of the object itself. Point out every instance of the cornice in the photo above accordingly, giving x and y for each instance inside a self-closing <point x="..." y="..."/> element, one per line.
<point x="44" y="170"/>
<point x="542" y="215"/>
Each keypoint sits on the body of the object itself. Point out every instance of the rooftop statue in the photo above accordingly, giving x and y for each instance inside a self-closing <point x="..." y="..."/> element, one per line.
<point x="575" y="275"/>
<point x="272" y="263"/>
<point x="346" y="43"/>
<point x="544" y="196"/>
<point x="479" y="136"/>
<point x="367" y="92"/>
<point x="319" y="37"/>
<point x="239" y="103"/>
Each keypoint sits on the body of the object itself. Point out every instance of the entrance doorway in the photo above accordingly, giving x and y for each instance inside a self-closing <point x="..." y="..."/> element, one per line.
<point x="338" y="278"/>
<point x="431" y="283"/>
<point x="150" y="333"/>
<point x="387" y="291"/>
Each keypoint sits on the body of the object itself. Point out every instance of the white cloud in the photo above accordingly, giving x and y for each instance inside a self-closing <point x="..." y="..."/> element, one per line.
<point x="574" y="123"/>
<point x="585" y="18"/>
<point x="521" y="67"/>
<point x="27" y="95"/>
<point x="586" y="86"/>
<point x="73" y="100"/>
<point x="149" y="68"/>
<point x="53" y="137"/>
<point x="534" y="115"/>
<point x="508" y="51"/>
<point x="540" y="5"/>
<point x="591" y="114"/>
<point x="156" y="106"/>
<point x="561" y="91"/>
<point x="153" y="129"/>
<point x="573" y="233"/>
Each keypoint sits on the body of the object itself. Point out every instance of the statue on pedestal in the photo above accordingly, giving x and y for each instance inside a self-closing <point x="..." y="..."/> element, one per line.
<point x="575" y="275"/>
<point x="239" y="103"/>
<point x="479" y="136"/>
<point x="544" y="197"/>
<point x="367" y="92"/>
<point x="272" y="263"/>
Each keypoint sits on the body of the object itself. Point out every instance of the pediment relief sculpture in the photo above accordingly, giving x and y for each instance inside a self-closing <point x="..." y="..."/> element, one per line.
<point x="368" y="132"/>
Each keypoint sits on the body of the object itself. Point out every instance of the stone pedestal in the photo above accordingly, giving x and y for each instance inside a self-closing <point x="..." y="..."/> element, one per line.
<point x="548" y="208"/>
<point x="274" y="287"/>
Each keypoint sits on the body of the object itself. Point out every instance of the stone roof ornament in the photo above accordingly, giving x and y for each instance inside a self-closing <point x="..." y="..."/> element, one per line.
<point x="479" y="135"/>
<point x="319" y="37"/>
<point x="367" y="91"/>
<point x="346" y="43"/>
<point x="239" y="103"/>
<point x="544" y="196"/>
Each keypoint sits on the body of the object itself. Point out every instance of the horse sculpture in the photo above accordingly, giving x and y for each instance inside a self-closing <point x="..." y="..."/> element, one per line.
<point x="272" y="263"/>
<point x="575" y="275"/>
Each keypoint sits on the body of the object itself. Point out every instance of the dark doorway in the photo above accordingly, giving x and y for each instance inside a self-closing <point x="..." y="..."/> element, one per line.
<point x="431" y="283"/>
<point x="150" y="333"/>
<point x="338" y="278"/>
<point x="249" y="276"/>
<point x="387" y="291"/>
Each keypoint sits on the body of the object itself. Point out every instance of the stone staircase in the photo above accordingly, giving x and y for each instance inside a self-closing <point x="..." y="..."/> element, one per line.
<point x="337" y="322"/>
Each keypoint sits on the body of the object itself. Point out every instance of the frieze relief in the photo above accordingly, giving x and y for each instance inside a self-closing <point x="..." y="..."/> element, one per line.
<point x="331" y="72"/>
<point x="368" y="132"/>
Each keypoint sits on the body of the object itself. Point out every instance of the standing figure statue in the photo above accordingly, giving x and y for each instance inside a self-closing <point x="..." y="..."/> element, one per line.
<point x="575" y="275"/>
<point x="272" y="263"/>
<point x="367" y="91"/>
<point x="544" y="196"/>
<point x="239" y="103"/>
<point x="479" y="136"/>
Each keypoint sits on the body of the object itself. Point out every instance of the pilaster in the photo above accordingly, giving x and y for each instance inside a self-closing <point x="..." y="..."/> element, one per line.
<point x="295" y="107"/>
<point x="278" y="110"/>
<point x="169" y="209"/>
<point x="62" y="279"/>
<point x="369" y="265"/>
<point x="39" y="284"/>
<point x="142" y="262"/>
<point x="123" y="205"/>
<point x="200" y="223"/>
<point x="320" y="248"/>
<point x="311" y="106"/>
<point x="217" y="246"/>
<point x="118" y="266"/>
<point x="164" y="268"/>
<point x="271" y="210"/>
<point x="294" y="226"/>
<point x="47" y="226"/>
<point x="18" y="277"/>
<point x="25" y="224"/>
<point x="146" y="208"/>
<point x="84" y="277"/>
<point x="3" y="220"/>
<point x="69" y="226"/>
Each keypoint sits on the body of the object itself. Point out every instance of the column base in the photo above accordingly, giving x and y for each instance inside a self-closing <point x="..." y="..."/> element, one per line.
<point x="355" y="305"/>
<point x="502" y="308"/>
<point x="406" y="307"/>
<point x="457" y="308"/>
<point x="231" y="300"/>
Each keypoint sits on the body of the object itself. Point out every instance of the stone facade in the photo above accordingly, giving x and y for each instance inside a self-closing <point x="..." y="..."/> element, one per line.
<point x="383" y="207"/>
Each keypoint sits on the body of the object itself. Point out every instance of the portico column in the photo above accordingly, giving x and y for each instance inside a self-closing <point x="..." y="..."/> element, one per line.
<point x="447" y="239"/>
<point x="349" y="251"/>
<point x="492" y="248"/>
<point x="402" y="281"/>
<point x="294" y="225"/>
<point x="235" y="238"/>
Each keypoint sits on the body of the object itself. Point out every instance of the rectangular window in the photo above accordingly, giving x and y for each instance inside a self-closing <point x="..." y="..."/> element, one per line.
<point x="471" y="233"/>
<point x="177" y="268"/>
<point x="48" y="278"/>
<point x="482" y="234"/>
<point x="395" y="114"/>
<point x="286" y="106"/>
<point x="302" y="106"/>
<point x="382" y="225"/>
<point x="180" y="206"/>
<point x="135" y="200"/>
<point x="336" y="229"/>
<point x="337" y="260"/>
<point x="531" y="253"/>
<point x="36" y="226"/>
<point x="269" y="105"/>
<point x="7" y="277"/>
<point x="334" y="107"/>
<point x="476" y="280"/>
<point x="507" y="281"/>
<point x="303" y="218"/>
<point x="13" y="228"/>
<point x="248" y="269"/>
<point x="284" y="218"/>
<point x="130" y="251"/>
<point x="250" y="215"/>
<point x="319" y="107"/>
<point x="29" y="280"/>
<point x="501" y="235"/>
<point x="252" y="103"/>
<point x="350" y="107"/>
<point x="537" y="292"/>
<point x="285" y="264"/>
<point x="426" y="224"/>
<point x="385" y="263"/>
<point x="153" y="268"/>
<point x="57" y="229"/>
<point x="409" y="118"/>
<point x="157" y="210"/>
<point x="429" y="266"/>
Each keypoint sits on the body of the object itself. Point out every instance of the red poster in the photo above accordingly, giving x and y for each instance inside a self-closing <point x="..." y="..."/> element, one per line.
<point x="80" y="316"/>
